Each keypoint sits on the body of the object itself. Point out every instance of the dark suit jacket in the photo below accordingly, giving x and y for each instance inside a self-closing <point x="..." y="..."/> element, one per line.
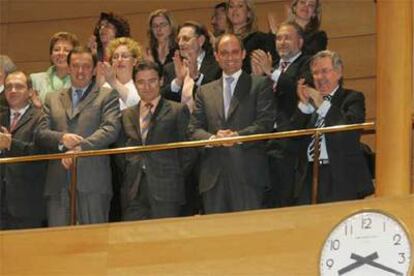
<point x="3" y="101"/>
<point x="97" y="119"/>
<point x="258" y="40"/>
<point x="314" y="42"/>
<point x="251" y="111"/>
<point x="351" y="177"/>
<point x="24" y="182"/>
<point x="286" y="99"/>
<point x="209" y="68"/>
<point x="165" y="170"/>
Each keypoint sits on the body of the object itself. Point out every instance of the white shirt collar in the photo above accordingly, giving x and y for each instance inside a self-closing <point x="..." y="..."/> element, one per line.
<point x="21" y="110"/>
<point x="292" y="59"/>
<point x="235" y="75"/>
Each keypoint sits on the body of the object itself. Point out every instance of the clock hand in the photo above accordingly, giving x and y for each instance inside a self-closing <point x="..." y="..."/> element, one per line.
<point x="359" y="262"/>
<point x="374" y="264"/>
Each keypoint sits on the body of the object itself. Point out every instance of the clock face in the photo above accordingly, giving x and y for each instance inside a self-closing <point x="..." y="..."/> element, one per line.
<point x="367" y="243"/>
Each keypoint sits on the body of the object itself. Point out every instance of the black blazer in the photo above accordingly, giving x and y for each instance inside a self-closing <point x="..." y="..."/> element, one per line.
<point x="24" y="182"/>
<point x="165" y="170"/>
<point x="209" y="68"/>
<point x="258" y="40"/>
<point x="314" y="42"/>
<point x="286" y="99"/>
<point x="351" y="177"/>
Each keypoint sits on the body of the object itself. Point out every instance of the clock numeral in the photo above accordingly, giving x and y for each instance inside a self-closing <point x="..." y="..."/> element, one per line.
<point x="366" y="223"/>
<point x="335" y="244"/>
<point x="348" y="229"/>
<point x="397" y="239"/>
<point x="402" y="259"/>
<point x="330" y="263"/>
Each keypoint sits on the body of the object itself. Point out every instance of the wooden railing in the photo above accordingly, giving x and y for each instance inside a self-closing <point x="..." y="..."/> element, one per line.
<point x="190" y="144"/>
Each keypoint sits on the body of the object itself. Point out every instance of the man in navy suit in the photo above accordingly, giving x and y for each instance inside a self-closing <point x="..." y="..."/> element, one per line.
<point x="343" y="171"/>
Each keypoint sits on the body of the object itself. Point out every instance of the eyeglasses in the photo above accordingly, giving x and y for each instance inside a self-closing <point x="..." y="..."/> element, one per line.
<point x="123" y="56"/>
<point x="323" y="71"/>
<point x="160" y="26"/>
<point x="185" y="38"/>
<point x="17" y="87"/>
<point x="105" y="24"/>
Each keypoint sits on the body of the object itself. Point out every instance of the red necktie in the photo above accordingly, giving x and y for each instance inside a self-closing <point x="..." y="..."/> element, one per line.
<point x="16" y="117"/>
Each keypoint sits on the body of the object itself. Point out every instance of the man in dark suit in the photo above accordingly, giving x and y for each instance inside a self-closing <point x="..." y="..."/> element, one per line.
<point x="343" y="172"/>
<point x="194" y="60"/>
<point x="82" y="117"/>
<point x="292" y="66"/>
<point x="22" y="202"/>
<point x="154" y="181"/>
<point x="233" y="176"/>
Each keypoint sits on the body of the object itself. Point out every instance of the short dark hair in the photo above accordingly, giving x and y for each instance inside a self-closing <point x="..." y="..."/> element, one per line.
<point x="146" y="65"/>
<point x="82" y="50"/>
<point x="28" y="80"/>
<point x="199" y="30"/>
<point x="220" y="38"/>
<point x="221" y="5"/>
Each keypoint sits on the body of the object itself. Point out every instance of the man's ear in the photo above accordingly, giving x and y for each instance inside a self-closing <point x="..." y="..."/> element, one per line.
<point x="201" y="39"/>
<point x="161" y="81"/>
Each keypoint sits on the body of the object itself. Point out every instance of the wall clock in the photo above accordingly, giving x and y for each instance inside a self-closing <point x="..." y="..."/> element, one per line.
<point x="367" y="243"/>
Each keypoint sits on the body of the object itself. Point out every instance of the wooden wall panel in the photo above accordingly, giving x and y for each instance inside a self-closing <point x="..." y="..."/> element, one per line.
<point x="358" y="54"/>
<point x="348" y="18"/>
<point x="267" y="242"/>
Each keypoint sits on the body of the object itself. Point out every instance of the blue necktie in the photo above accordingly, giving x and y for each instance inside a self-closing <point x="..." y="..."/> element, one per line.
<point x="227" y="95"/>
<point x="76" y="96"/>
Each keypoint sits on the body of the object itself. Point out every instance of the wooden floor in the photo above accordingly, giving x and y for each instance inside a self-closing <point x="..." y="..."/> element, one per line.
<point x="269" y="242"/>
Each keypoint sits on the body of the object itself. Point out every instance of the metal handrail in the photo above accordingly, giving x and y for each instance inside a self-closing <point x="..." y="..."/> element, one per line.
<point x="188" y="144"/>
<point x="191" y="144"/>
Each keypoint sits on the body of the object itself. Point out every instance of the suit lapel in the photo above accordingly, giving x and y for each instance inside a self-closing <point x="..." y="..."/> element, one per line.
<point x="133" y="116"/>
<point x="218" y="97"/>
<point x="92" y="94"/>
<point x="242" y="88"/>
<point x="65" y="98"/>
<point x="23" y="120"/>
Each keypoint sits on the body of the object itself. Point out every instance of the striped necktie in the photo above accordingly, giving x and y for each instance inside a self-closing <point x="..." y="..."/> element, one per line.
<point x="320" y="123"/>
<point x="145" y="121"/>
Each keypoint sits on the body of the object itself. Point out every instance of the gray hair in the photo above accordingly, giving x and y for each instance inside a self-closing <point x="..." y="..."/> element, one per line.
<point x="337" y="63"/>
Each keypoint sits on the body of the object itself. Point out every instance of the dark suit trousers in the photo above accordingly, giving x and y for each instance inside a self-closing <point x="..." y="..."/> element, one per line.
<point x="145" y="206"/>
<point x="229" y="196"/>
<point x="325" y="192"/>
<point x="91" y="208"/>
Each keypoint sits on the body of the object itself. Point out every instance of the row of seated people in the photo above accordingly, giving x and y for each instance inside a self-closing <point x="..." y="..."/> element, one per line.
<point x="278" y="95"/>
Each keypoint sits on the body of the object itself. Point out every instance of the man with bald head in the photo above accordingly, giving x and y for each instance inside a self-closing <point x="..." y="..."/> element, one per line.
<point x="233" y="176"/>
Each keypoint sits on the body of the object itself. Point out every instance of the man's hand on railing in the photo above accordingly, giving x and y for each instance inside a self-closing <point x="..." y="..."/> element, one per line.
<point x="223" y="133"/>
<point x="67" y="162"/>
<point x="70" y="140"/>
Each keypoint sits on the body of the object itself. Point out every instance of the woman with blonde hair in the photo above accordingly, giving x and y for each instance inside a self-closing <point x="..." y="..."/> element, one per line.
<point x="124" y="53"/>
